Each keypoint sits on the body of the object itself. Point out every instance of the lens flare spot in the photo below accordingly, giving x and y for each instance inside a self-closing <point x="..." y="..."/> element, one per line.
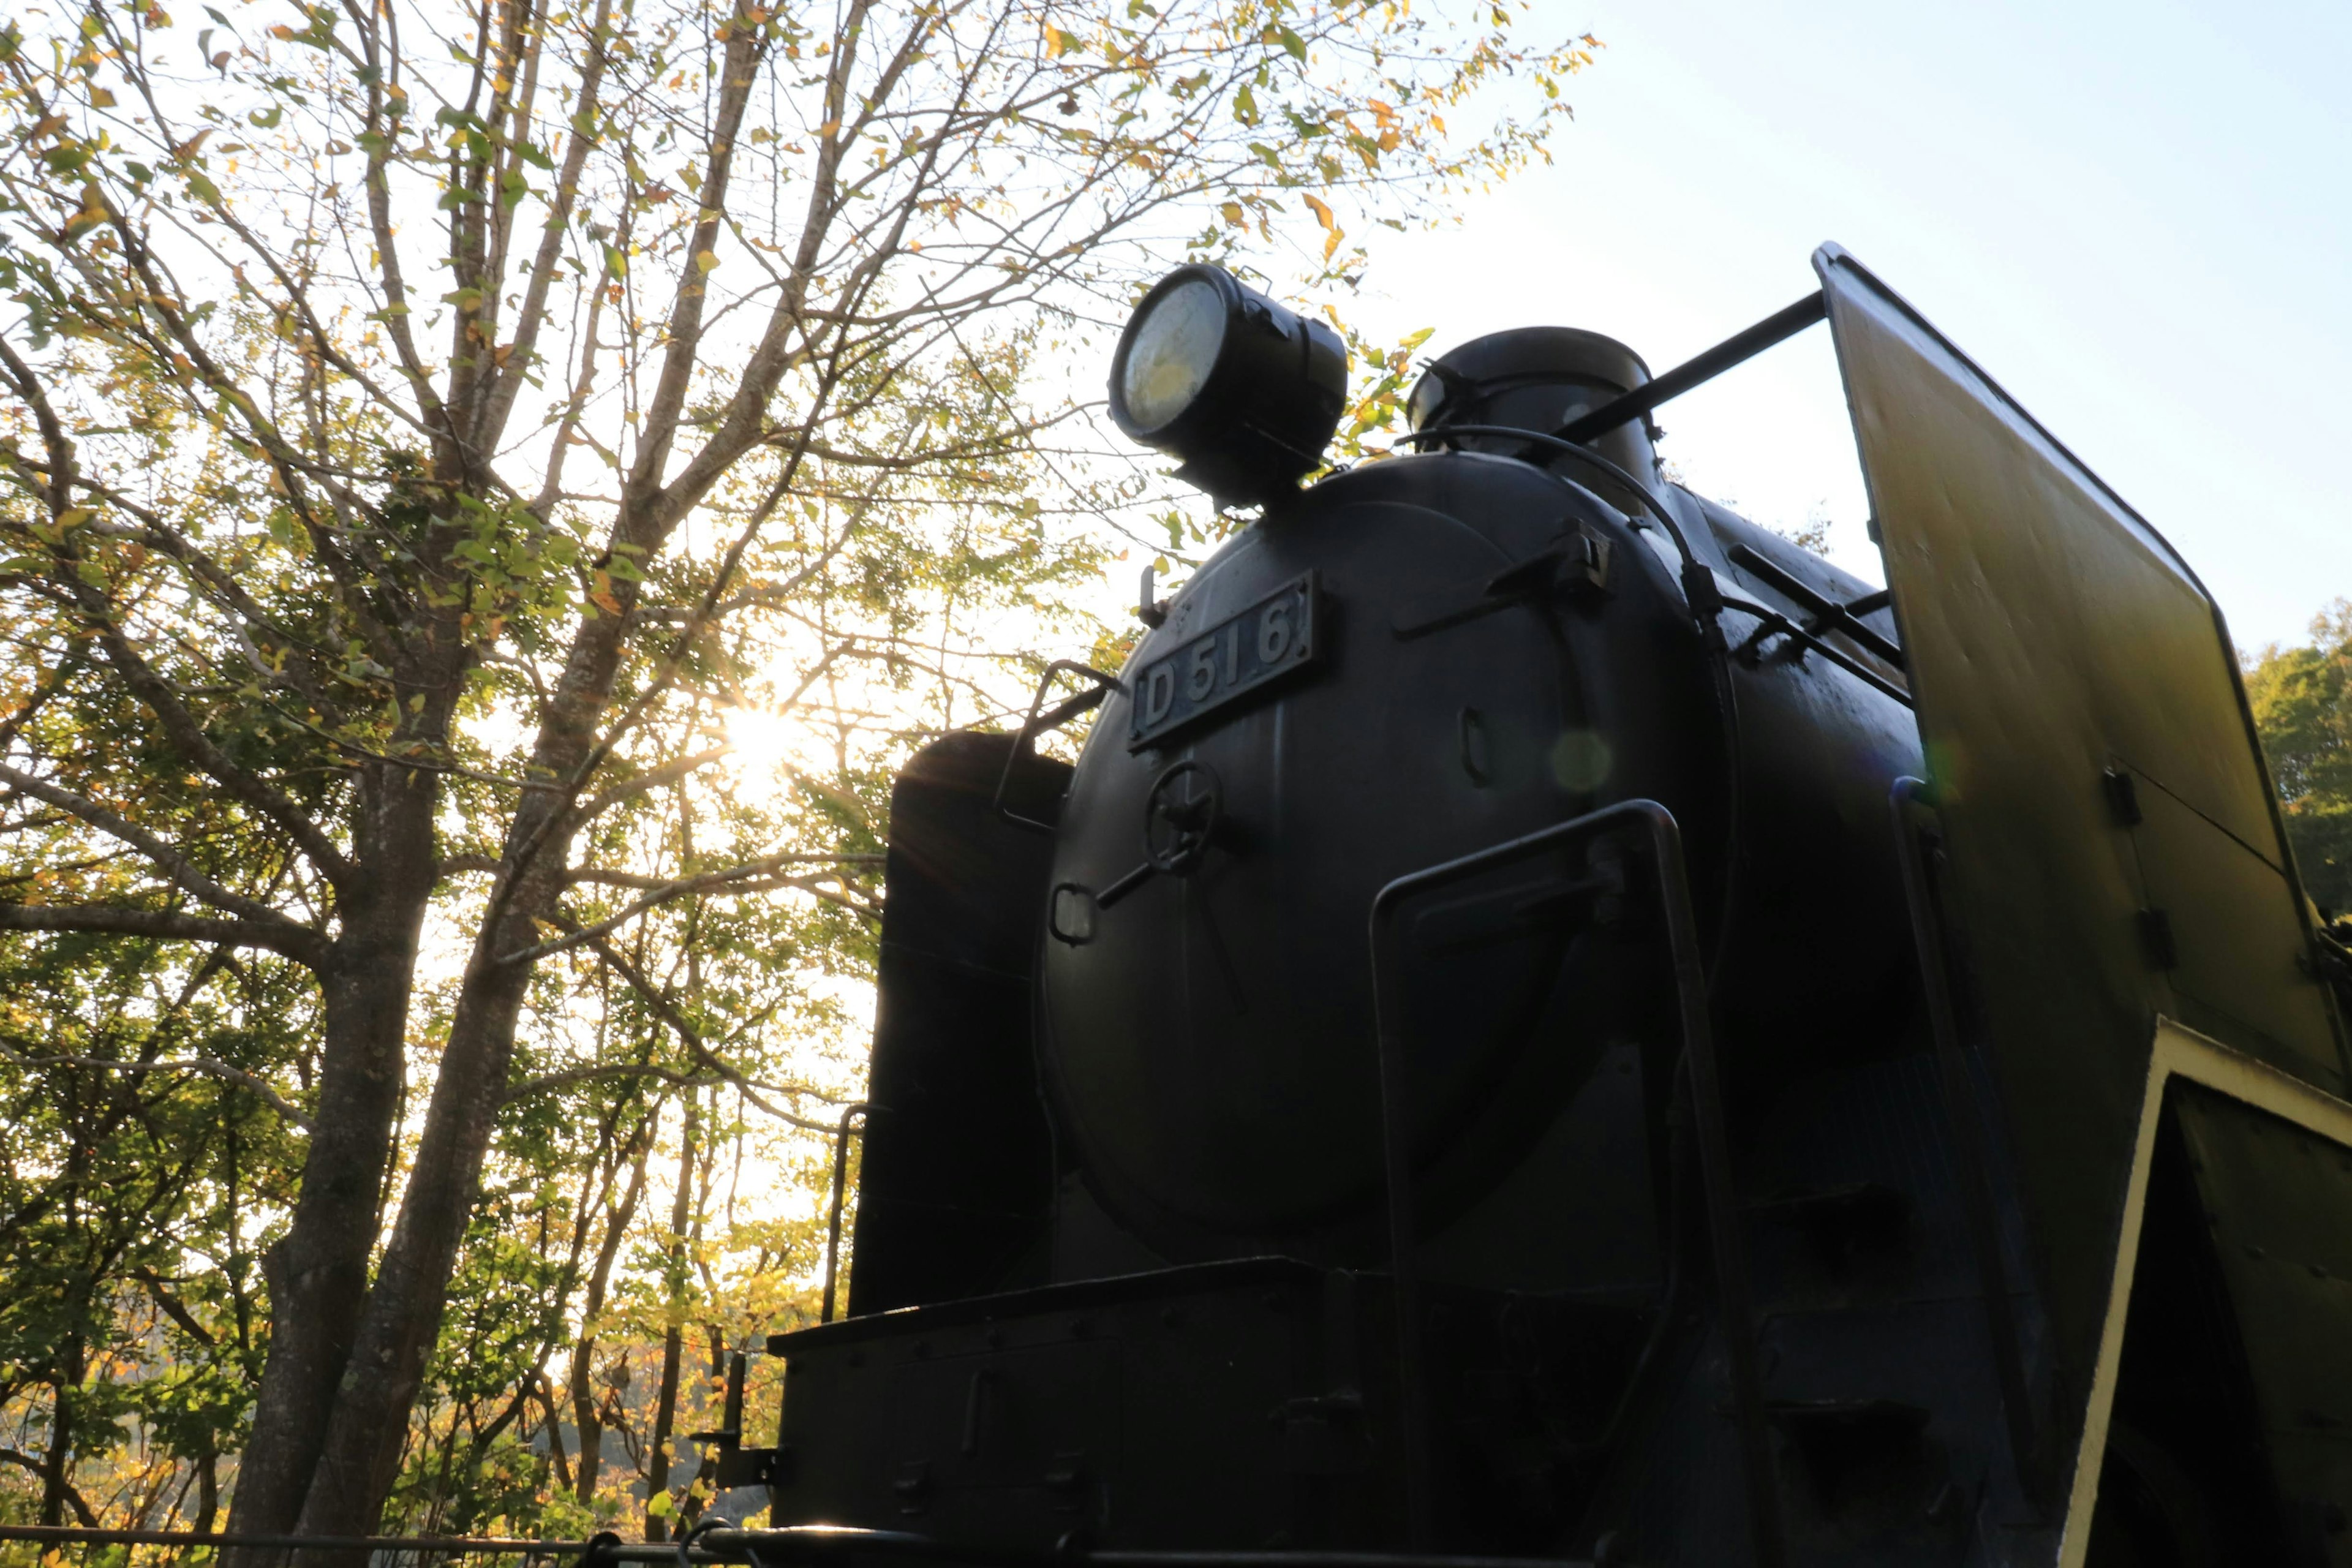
<point x="763" y="744"/>
<point x="1581" y="761"/>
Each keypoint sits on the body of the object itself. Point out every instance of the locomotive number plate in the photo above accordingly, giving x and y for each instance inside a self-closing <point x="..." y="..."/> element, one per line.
<point x="1236" y="656"/>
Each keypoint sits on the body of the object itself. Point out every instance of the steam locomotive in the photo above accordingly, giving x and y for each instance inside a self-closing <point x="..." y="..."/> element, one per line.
<point x="1546" y="1022"/>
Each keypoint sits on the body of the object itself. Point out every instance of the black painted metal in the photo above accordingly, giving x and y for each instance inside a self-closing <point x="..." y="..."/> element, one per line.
<point x="956" y="1185"/>
<point x="1906" y="801"/>
<point x="1405" y="1241"/>
<point x="856" y="1112"/>
<point x="1267" y="406"/>
<point x="1696" y="371"/>
<point x="1534" y="379"/>
<point x="1733" y="1295"/>
<point x="2056" y="638"/>
<point x="1829" y="616"/>
<point x="1037" y="724"/>
<point x="1769" y="621"/>
<point x="1543" y="447"/>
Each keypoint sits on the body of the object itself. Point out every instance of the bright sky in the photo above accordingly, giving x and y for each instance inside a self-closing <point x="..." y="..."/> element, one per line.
<point x="2137" y="216"/>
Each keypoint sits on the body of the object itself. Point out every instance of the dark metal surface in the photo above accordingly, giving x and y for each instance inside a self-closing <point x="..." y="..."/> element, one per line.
<point x="1908" y="804"/>
<point x="1884" y="1095"/>
<point x="955" y="1192"/>
<point x="1213" y="1406"/>
<point x="1770" y="621"/>
<point x="1829" y="616"/>
<point x="1272" y="639"/>
<point x="1203" y="1047"/>
<point x="1261" y="418"/>
<point x="1530" y="379"/>
<point x="2279" y="1198"/>
<point x="2052" y="636"/>
<point x="1664" y="837"/>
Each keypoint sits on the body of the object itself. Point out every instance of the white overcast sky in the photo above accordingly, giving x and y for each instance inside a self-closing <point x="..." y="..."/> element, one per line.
<point x="2137" y="217"/>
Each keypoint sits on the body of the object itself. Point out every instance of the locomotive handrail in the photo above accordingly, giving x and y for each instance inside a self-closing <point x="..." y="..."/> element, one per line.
<point x="1769" y="620"/>
<point x="1733" y="1296"/>
<point x="862" y="1110"/>
<point x="1585" y="454"/>
<point x="1034" y="726"/>
<point x="1962" y="1105"/>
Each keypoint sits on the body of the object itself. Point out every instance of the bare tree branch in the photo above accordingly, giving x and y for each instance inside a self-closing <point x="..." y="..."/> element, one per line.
<point x="763" y="869"/>
<point x="676" y="1079"/>
<point x="207" y="1066"/>
<point x="170" y="861"/>
<point x="690" y="1036"/>
<point x="119" y="919"/>
<point x="634" y="880"/>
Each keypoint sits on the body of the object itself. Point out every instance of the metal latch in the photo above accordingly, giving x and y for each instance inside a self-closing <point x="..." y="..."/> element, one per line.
<point x="737" y="1465"/>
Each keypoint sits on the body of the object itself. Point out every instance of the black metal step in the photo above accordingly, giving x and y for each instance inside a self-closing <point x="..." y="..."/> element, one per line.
<point x="1842" y="1220"/>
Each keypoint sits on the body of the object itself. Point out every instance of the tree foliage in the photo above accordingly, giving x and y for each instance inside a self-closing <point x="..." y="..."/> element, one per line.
<point x="489" y="491"/>
<point x="2302" y="699"/>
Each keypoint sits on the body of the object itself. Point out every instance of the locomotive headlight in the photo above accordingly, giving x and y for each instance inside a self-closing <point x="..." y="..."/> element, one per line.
<point x="1241" y="392"/>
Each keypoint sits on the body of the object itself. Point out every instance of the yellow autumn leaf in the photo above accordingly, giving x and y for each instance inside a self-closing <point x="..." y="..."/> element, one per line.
<point x="1322" y="215"/>
<point x="1232" y="213"/>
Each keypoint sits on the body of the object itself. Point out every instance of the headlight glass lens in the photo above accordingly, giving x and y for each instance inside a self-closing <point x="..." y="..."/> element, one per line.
<point x="1172" y="353"/>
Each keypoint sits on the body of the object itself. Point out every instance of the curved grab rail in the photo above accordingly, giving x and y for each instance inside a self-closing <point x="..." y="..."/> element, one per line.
<point x="1665" y="843"/>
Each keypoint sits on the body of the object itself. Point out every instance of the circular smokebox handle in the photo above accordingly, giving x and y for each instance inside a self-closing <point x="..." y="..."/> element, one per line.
<point x="1180" y="818"/>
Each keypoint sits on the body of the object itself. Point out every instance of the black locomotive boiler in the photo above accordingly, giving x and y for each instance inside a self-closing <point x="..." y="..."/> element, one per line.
<point x="1548" y="1022"/>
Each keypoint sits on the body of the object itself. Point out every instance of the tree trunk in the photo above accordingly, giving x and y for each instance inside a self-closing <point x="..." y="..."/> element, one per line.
<point x="587" y="1413"/>
<point x="319" y="1270"/>
<point x="681" y="1214"/>
<point x="57" y="1463"/>
<point x="560" y="1461"/>
<point x="360" y="1456"/>
<point x="208" y="1487"/>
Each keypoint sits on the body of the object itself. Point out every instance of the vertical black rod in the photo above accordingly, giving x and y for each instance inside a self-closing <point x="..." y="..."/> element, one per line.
<point x="733" y="1421"/>
<point x="1396" y="1160"/>
<point x="840" y="1184"/>
<point x="1969" y="1143"/>
<point x="1761" y="1484"/>
<point x="1733" y="1299"/>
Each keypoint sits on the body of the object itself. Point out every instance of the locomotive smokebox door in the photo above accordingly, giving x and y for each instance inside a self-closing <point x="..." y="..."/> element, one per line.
<point x="2112" y="858"/>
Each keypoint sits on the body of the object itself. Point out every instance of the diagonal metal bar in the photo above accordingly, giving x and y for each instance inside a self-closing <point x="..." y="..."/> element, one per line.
<point x="1738" y="349"/>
